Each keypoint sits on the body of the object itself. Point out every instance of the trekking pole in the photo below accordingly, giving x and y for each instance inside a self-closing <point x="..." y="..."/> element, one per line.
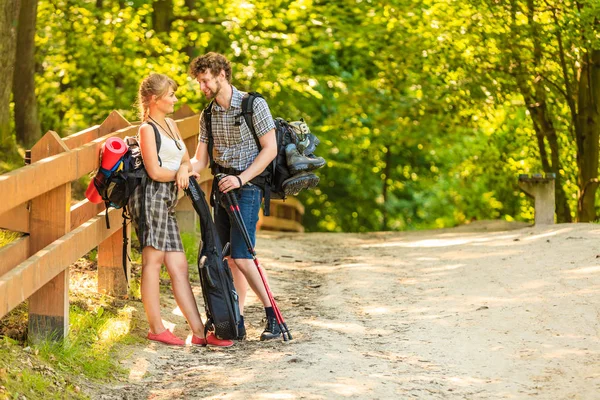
<point x="234" y="210"/>
<point x="240" y="222"/>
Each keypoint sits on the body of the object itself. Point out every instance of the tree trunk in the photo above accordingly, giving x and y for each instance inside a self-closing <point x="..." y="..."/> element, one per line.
<point x="384" y="189"/>
<point x="9" y="14"/>
<point x="27" y="123"/>
<point x="190" y="47"/>
<point x="534" y="94"/>
<point x="588" y="134"/>
<point x="162" y="15"/>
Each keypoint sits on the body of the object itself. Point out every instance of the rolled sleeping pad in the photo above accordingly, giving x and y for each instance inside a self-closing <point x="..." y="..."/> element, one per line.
<point x="92" y="194"/>
<point x="112" y="151"/>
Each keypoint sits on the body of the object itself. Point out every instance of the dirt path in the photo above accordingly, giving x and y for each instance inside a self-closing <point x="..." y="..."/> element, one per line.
<point x="468" y="313"/>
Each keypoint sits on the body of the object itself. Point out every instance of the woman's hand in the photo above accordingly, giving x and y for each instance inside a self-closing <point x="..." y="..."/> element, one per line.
<point x="183" y="177"/>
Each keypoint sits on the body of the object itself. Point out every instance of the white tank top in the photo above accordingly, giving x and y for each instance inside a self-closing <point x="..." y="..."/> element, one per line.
<point x="169" y="154"/>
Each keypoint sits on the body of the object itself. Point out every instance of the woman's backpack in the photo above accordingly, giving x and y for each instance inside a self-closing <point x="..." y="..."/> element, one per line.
<point x="116" y="184"/>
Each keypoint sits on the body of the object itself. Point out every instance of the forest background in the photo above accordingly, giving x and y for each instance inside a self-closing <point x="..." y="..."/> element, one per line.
<point x="427" y="110"/>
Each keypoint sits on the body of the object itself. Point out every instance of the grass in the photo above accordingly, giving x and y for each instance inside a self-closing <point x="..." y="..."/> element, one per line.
<point x="100" y="328"/>
<point x="52" y="369"/>
<point x="12" y="160"/>
<point x="7" y="237"/>
<point x="190" y="244"/>
<point x="23" y="375"/>
<point x="89" y="348"/>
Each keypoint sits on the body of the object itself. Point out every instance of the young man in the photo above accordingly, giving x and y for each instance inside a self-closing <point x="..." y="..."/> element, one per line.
<point x="236" y="154"/>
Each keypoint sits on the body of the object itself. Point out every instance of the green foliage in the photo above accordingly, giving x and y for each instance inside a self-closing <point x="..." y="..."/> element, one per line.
<point x="420" y="106"/>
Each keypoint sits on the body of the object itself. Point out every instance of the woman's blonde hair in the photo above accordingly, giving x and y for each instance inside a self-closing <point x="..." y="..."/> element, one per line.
<point x="154" y="85"/>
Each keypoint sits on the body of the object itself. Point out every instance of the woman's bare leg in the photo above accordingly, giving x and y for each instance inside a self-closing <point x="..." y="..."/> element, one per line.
<point x="152" y="260"/>
<point x="177" y="267"/>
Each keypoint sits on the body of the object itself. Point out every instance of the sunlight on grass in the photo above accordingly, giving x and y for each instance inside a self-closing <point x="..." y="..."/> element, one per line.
<point x="190" y="244"/>
<point x="12" y="160"/>
<point x="91" y="339"/>
<point x="7" y="237"/>
<point x="116" y="329"/>
<point x="22" y="376"/>
<point x="135" y="288"/>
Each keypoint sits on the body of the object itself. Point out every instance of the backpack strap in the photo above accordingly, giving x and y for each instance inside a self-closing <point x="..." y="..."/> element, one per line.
<point x="207" y="113"/>
<point x="247" y="113"/>
<point x="143" y="176"/>
<point x="214" y="195"/>
<point x="125" y="216"/>
<point x="158" y="141"/>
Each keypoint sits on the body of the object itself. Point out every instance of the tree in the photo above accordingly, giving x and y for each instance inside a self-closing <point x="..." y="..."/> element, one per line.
<point x="9" y="13"/>
<point x="27" y="124"/>
<point x="162" y="15"/>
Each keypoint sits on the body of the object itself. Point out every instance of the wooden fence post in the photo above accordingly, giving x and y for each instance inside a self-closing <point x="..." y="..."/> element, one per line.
<point x="111" y="277"/>
<point x="50" y="218"/>
<point x="187" y="218"/>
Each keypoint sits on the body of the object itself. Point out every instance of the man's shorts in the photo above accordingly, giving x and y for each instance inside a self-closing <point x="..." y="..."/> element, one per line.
<point x="249" y="198"/>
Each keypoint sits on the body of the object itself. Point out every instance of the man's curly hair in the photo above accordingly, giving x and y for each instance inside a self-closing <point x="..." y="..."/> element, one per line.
<point x="214" y="62"/>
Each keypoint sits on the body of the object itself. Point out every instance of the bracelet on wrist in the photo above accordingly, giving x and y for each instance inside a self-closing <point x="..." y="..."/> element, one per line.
<point x="239" y="180"/>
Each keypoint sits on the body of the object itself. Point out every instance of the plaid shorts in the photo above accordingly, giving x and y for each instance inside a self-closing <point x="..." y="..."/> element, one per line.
<point x="161" y="230"/>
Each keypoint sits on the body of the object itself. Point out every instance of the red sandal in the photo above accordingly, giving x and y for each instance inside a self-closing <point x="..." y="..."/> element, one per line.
<point x="166" y="337"/>
<point x="211" y="340"/>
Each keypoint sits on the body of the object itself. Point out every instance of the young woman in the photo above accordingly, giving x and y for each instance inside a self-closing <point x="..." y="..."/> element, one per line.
<point x="168" y="170"/>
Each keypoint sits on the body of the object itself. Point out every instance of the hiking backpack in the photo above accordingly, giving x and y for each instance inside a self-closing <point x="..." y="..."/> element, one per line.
<point x="117" y="184"/>
<point x="272" y="178"/>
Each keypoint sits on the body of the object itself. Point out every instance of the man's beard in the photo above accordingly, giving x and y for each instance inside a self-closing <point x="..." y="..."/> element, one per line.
<point x="212" y="94"/>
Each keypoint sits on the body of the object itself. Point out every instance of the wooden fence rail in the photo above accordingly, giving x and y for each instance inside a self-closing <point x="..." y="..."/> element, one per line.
<point x="36" y="200"/>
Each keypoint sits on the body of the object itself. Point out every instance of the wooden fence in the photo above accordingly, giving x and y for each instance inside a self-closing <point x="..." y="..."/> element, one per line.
<point x="36" y="200"/>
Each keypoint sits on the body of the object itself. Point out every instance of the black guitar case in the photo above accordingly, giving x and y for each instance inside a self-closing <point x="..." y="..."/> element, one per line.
<point x="220" y="297"/>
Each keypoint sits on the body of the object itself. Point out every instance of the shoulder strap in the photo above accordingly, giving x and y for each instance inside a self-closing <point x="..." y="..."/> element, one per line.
<point x="158" y="141"/>
<point x="248" y="111"/>
<point x="207" y="121"/>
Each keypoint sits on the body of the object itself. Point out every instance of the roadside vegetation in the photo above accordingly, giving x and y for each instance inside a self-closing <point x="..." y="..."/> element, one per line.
<point x="101" y="330"/>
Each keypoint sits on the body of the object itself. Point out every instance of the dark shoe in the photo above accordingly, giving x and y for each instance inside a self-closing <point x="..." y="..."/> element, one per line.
<point x="304" y="180"/>
<point x="297" y="162"/>
<point x="308" y="145"/>
<point x="241" y="333"/>
<point x="271" y="331"/>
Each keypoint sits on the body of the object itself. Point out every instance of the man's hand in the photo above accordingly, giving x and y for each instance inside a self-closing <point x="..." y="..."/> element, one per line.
<point x="230" y="182"/>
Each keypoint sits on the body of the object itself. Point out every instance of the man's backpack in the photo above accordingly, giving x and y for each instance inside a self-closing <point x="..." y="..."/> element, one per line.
<point x="272" y="179"/>
<point x="116" y="184"/>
